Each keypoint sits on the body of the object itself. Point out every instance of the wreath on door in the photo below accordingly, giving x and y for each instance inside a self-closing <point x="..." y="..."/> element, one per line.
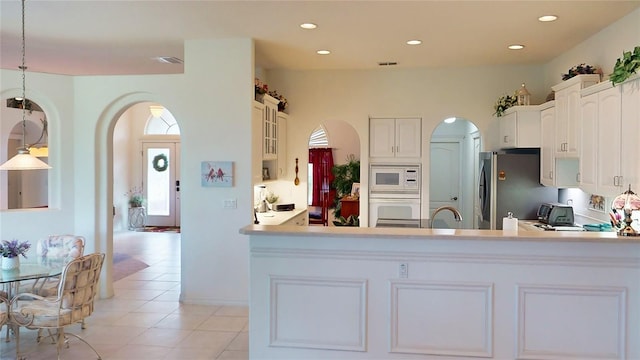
<point x="160" y="162"/>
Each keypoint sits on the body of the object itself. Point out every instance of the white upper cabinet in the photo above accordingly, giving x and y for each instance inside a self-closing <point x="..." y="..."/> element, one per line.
<point x="630" y="131"/>
<point x="547" y="146"/>
<point x="257" y="118"/>
<point x="567" y="104"/>
<point x="589" y="140"/>
<point x="609" y="160"/>
<point x="395" y="138"/>
<point x="270" y="128"/>
<point x="282" y="144"/>
<point x="520" y="127"/>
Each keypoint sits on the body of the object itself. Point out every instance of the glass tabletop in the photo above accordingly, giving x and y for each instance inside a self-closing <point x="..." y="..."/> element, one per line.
<point x="33" y="269"/>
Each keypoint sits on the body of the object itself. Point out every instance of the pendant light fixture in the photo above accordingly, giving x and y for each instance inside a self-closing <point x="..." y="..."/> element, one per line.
<point x="23" y="160"/>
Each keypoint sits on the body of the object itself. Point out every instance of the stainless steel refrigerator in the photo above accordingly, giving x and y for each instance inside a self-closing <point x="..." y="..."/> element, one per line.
<point x="510" y="182"/>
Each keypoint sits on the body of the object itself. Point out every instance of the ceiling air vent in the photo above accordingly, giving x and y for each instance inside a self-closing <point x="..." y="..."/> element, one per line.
<point x="388" y="63"/>
<point x="168" y="60"/>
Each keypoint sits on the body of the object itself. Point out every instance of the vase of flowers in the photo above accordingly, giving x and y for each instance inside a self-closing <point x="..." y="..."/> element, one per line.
<point x="11" y="251"/>
<point x="282" y="104"/>
<point x="260" y="89"/>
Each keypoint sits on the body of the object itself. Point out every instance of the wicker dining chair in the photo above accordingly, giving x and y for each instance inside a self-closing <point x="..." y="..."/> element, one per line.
<point x="77" y="291"/>
<point x="55" y="249"/>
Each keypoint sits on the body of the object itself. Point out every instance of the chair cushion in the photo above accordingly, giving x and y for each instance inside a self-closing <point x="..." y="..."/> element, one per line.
<point x="40" y="313"/>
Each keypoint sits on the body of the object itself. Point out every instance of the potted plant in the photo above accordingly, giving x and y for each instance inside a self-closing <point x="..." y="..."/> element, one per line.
<point x="11" y="250"/>
<point x="625" y="66"/>
<point x="503" y="103"/>
<point x="344" y="177"/>
<point x="580" y="70"/>
<point x="136" y="199"/>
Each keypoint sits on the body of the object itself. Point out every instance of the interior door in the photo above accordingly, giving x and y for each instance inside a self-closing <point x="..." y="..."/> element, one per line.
<point x="161" y="171"/>
<point x="444" y="182"/>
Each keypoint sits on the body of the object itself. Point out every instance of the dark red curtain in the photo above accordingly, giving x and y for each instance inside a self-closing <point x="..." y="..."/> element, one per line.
<point x="322" y="161"/>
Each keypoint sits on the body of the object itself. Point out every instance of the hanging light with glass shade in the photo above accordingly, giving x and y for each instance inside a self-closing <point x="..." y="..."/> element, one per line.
<point x="24" y="160"/>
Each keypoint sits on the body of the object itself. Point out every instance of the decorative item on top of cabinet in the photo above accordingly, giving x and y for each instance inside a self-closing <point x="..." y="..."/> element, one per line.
<point x="395" y="138"/>
<point x="567" y="105"/>
<point x="520" y="127"/>
<point x="626" y="66"/>
<point x="523" y="95"/>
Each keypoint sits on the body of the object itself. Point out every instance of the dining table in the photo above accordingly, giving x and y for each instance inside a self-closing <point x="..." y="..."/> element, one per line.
<point x="32" y="268"/>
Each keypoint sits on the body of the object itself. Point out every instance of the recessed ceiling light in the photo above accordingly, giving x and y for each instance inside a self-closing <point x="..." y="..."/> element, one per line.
<point x="308" y="26"/>
<point x="414" y="42"/>
<point x="516" y="47"/>
<point x="323" y="52"/>
<point x="450" y="120"/>
<point x="547" y="18"/>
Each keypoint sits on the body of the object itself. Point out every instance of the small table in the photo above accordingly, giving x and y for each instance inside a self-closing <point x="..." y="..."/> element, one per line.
<point x="350" y="206"/>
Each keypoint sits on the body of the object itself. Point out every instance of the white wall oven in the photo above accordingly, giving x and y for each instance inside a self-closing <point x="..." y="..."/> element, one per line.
<point x="394" y="194"/>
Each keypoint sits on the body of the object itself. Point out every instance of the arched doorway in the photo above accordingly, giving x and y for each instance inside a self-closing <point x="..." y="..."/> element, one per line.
<point x="455" y="144"/>
<point x="343" y="141"/>
<point x="155" y="174"/>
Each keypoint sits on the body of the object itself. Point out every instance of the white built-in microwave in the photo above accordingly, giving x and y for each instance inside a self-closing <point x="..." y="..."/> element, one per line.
<point x="394" y="179"/>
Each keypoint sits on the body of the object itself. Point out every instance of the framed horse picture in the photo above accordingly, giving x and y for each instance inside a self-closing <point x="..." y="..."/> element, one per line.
<point x="216" y="173"/>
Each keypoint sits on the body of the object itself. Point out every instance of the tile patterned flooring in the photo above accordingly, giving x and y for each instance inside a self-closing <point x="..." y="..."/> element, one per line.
<point x="144" y="320"/>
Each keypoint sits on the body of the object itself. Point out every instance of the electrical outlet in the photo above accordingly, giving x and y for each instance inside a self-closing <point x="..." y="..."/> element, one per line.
<point x="403" y="270"/>
<point x="230" y="204"/>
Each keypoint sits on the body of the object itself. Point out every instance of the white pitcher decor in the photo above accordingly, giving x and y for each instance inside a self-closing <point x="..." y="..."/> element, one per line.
<point x="11" y="251"/>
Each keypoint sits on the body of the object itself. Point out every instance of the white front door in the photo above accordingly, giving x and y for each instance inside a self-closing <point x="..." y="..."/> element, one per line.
<point x="444" y="182"/>
<point x="161" y="174"/>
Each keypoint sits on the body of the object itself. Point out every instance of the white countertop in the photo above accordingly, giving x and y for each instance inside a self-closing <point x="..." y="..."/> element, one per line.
<point x="427" y="234"/>
<point x="278" y="217"/>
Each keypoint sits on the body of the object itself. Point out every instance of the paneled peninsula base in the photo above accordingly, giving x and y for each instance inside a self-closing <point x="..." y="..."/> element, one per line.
<point x="339" y="294"/>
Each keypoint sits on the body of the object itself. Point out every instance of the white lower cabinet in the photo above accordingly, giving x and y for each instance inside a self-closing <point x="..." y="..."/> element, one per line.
<point x="299" y="220"/>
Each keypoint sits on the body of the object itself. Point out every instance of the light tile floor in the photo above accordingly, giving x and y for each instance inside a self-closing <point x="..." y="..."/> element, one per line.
<point x="144" y="320"/>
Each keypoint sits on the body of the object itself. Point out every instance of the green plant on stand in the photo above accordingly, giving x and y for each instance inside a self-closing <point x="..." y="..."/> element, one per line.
<point x="344" y="177"/>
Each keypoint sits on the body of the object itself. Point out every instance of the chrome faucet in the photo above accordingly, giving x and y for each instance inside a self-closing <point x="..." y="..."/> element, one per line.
<point x="456" y="213"/>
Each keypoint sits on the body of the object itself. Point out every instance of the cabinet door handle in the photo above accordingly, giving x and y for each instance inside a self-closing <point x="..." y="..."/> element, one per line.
<point x="578" y="177"/>
<point x="551" y="175"/>
<point x="505" y="139"/>
<point x="620" y="180"/>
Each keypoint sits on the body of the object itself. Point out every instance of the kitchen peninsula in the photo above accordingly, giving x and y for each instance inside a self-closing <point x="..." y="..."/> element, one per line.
<point x="391" y="293"/>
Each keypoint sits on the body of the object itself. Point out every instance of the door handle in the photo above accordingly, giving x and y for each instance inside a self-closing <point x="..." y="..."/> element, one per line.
<point x="177" y="185"/>
<point x="455" y="198"/>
